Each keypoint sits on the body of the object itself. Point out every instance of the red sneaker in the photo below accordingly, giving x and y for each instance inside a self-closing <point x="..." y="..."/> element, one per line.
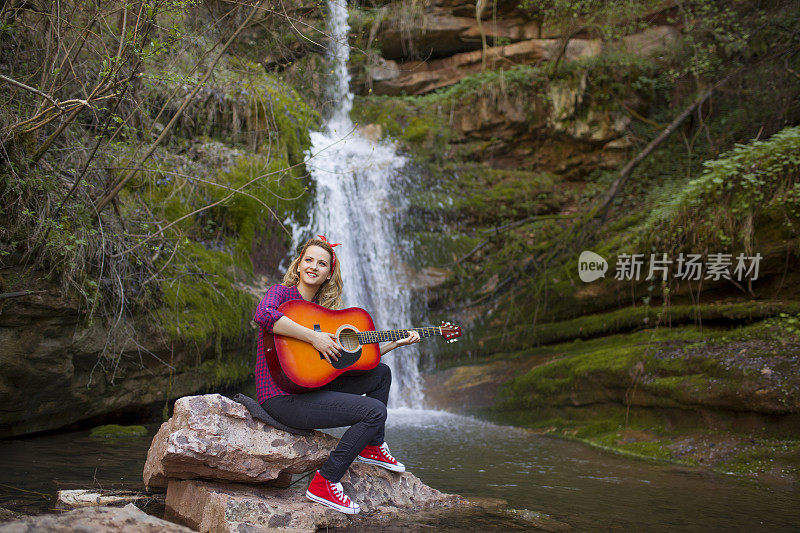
<point x="330" y="494"/>
<point x="380" y="456"/>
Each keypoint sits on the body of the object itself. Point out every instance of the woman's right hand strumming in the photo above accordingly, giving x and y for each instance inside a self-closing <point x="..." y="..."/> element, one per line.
<point x="326" y="344"/>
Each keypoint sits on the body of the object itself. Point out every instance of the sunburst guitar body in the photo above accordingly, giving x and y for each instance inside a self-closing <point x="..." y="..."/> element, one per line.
<point x="297" y="367"/>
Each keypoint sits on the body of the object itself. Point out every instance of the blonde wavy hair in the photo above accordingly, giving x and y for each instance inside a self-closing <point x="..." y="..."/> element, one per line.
<point x="329" y="293"/>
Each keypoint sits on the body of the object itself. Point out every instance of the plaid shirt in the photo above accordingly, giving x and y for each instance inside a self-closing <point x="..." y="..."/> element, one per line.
<point x="266" y="315"/>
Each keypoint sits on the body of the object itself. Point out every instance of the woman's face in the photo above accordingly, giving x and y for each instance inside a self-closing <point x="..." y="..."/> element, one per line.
<point x="315" y="266"/>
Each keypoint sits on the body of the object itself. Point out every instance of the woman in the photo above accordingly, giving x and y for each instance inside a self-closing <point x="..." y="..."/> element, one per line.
<point x="315" y="276"/>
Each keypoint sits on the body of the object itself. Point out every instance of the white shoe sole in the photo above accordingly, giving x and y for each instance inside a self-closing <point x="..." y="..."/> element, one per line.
<point x="340" y="508"/>
<point x="387" y="466"/>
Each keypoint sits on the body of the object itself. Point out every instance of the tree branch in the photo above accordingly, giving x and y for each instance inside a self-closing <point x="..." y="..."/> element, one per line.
<point x="602" y="211"/>
<point x="104" y="201"/>
<point x="31" y="89"/>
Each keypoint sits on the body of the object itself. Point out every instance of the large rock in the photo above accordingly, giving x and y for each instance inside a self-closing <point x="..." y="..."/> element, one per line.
<point x="438" y="35"/>
<point x="420" y="77"/>
<point x="393" y="78"/>
<point x="213" y="437"/>
<point x="218" y="508"/>
<point x="437" y="29"/>
<point x="57" y="368"/>
<point x="128" y="519"/>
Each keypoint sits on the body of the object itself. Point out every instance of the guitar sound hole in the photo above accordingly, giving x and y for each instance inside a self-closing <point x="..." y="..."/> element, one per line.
<point x="348" y="338"/>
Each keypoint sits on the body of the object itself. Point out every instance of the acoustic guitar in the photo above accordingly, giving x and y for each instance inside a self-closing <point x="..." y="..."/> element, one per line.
<point x="296" y="366"/>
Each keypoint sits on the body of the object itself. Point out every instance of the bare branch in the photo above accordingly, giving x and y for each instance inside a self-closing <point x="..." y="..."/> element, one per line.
<point x="602" y="211"/>
<point x="31" y="89"/>
<point x="104" y="201"/>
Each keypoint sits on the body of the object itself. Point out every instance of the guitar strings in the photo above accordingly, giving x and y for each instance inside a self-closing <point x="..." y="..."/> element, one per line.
<point x="371" y="337"/>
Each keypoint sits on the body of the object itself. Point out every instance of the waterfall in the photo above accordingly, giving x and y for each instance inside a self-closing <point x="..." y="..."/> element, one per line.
<point x="355" y="206"/>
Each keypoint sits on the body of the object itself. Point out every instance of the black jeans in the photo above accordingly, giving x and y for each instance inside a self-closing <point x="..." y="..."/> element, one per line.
<point x="337" y="404"/>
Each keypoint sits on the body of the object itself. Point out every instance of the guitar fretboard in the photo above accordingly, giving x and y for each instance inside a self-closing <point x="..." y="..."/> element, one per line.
<point x="372" y="337"/>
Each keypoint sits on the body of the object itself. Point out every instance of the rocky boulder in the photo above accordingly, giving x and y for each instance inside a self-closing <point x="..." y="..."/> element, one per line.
<point x="389" y="77"/>
<point x="225" y="471"/>
<point x="128" y="519"/>
<point x="217" y="508"/>
<point x="213" y="437"/>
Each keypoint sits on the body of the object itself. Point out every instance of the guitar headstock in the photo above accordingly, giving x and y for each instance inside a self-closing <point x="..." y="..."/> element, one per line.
<point x="450" y="332"/>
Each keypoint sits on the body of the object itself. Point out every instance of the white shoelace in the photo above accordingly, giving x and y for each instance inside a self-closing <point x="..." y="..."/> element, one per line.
<point x="338" y="490"/>
<point x="385" y="450"/>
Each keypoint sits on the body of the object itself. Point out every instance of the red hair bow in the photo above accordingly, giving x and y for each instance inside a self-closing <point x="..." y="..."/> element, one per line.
<point x="332" y="245"/>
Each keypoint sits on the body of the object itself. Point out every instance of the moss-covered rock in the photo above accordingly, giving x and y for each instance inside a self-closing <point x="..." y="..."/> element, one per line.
<point x="115" y="431"/>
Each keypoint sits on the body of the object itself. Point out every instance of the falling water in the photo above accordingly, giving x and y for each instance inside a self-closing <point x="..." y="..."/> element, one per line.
<point x="354" y="205"/>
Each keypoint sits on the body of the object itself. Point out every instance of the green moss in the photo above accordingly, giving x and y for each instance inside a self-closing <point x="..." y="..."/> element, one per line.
<point x="417" y="131"/>
<point x="595" y="428"/>
<point x="752" y="185"/>
<point x="442" y="249"/>
<point x="115" y="431"/>
<point x="271" y="192"/>
<point x="657" y="449"/>
<point x="217" y="220"/>
<point x="601" y="426"/>
<point x="204" y="304"/>
<point x="631" y="318"/>
<point x="764" y="456"/>
<point x="588" y="367"/>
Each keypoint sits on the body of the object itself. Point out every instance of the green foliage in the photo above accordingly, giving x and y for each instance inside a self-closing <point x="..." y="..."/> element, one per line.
<point x="159" y="252"/>
<point x="787" y="324"/>
<point x="742" y="192"/>
<point x="491" y="82"/>
<point x="608" y="18"/>
<point x="243" y="105"/>
<point x="209" y="258"/>
<point x="270" y="192"/>
<point x="749" y="174"/>
<point x="613" y="76"/>
<point x="715" y="32"/>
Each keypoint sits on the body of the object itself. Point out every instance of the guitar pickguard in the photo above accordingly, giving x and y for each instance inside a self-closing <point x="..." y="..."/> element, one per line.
<point x="346" y="358"/>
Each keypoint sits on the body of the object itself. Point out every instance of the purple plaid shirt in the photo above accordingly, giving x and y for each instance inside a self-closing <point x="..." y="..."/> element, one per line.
<point x="266" y="315"/>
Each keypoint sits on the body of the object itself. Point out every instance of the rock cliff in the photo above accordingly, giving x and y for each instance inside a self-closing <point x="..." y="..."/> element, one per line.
<point x="58" y="370"/>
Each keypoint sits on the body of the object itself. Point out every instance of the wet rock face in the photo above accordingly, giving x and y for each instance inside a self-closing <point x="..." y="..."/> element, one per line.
<point x="53" y="373"/>
<point x="213" y="437"/>
<point x="431" y="48"/>
<point x="128" y="519"/>
<point x="218" y="507"/>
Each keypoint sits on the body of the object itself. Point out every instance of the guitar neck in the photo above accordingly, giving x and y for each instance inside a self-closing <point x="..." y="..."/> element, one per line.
<point x="373" y="337"/>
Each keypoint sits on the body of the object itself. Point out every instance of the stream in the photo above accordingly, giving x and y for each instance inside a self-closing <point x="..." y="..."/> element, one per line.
<point x="586" y="488"/>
